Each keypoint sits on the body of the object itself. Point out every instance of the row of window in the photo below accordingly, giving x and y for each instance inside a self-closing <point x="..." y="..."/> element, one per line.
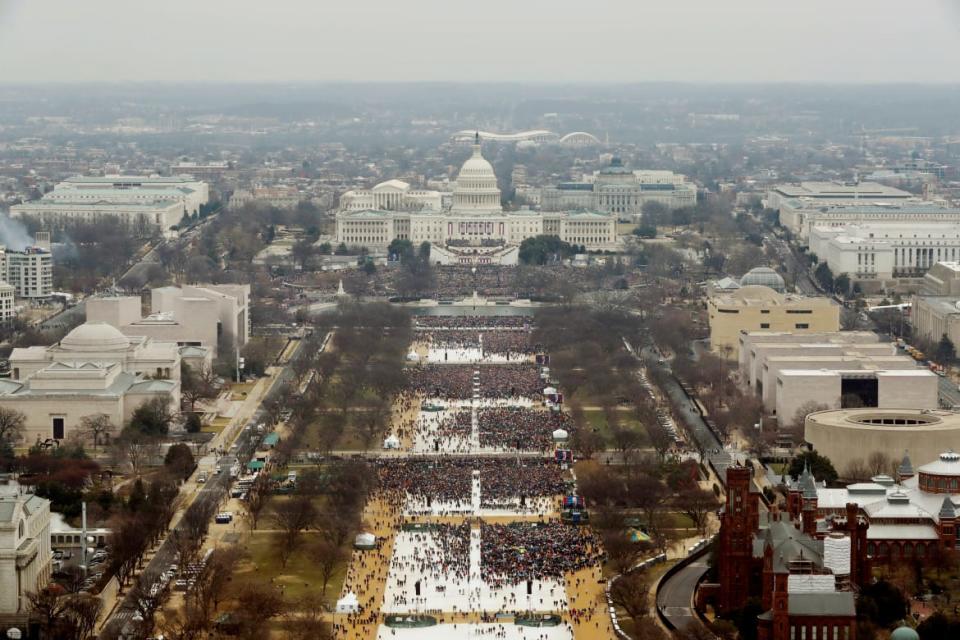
<point x="839" y="632"/>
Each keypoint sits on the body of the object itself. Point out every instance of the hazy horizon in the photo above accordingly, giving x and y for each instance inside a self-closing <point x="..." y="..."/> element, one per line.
<point x="500" y="42"/>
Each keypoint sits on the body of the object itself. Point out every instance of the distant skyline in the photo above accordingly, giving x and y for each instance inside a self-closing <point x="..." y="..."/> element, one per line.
<point x="610" y="41"/>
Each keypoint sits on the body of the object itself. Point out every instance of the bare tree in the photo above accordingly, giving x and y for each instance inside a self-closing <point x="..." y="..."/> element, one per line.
<point x="99" y="428"/>
<point x="147" y="599"/>
<point x="12" y="425"/>
<point x="880" y="463"/>
<point x="257" y="498"/>
<point x="256" y="605"/>
<point x="292" y="517"/>
<point x="857" y="470"/>
<point x="799" y="421"/>
<point x="623" y="552"/>
<point x="211" y="582"/>
<point x="327" y="557"/>
<point x="630" y="592"/>
<point x="696" y="504"/>
<point x="306" y="620"/>
<point x="70" y="616"/>
<point x="187" y="622"/>
<point x="135" y="449"/>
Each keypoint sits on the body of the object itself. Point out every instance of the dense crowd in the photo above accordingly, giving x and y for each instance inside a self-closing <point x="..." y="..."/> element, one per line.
<point x="446" y="480"/>
<point x="502" y="341"/>
<point x="472" y="322"/>
<point x="451" y="382"/>
<point x="502" y="480"/>
<point x="510" y="381"/>
<point x="449" y="481"/>
<point x="519" y="427"/>
<point x="517" y="552"/>
<point x="455" y="382"/>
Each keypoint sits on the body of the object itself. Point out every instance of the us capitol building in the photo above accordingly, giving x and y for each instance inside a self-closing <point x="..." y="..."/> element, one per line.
<point x="473" y="229"/>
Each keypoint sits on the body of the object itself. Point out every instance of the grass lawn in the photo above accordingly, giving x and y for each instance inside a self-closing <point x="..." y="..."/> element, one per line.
<point x="216" y="425"/>
<point x="300" y="577"/>
<point x="351" y="439"/>
<point x="598" y="421"/>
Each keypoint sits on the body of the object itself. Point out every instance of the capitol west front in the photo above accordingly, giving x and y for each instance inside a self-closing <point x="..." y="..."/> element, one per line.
<point x="474" y="229"/>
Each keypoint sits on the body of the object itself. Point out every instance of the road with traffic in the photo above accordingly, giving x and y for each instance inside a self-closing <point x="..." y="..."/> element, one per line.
<point x="213" y="492"/>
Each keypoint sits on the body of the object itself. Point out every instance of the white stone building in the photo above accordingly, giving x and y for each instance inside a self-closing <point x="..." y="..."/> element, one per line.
<point x="153" y="202"/>
<point x="833" y="192"/>
<point x="191" y="316"/>
<point x="95" y="369"/>
<point x="190" y="193"/>
<point x="25" y="552"/>
<point x="800" y="216"/>
<point x="161" y="214"/>
<point x="475" y="218"/>
<point x="617" y="189"/>
<point x="886" y="250"/>
<point x="392" y="195"/>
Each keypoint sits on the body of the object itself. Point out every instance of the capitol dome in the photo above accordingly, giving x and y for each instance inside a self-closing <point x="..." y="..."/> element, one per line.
<point x="95" y="336"/>
<point x="765" y="277"/>
<point x="476" y="189"/>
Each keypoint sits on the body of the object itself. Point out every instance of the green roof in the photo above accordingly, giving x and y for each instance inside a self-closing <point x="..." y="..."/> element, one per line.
<point x="272" y="439"/>
<point x="255" y="465"/>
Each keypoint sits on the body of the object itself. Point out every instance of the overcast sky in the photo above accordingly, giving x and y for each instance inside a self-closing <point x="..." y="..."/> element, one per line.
<point x="486" y="40"/>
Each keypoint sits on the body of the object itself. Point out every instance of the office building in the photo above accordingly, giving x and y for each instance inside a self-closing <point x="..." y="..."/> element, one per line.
<point x="879" y="255"/>
<point x="788" y="373"/>
<point x="30" y="270"/>
<point x="619" y="190"/>
<point x="800" y="217"/>
<point x="140" y="202"/>
<point x="828" y="192"/>
<point x="759" y="308"/>
<point x="192" y="316"/>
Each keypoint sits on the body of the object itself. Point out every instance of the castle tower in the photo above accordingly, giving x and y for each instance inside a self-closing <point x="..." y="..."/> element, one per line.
<point x="738" y="525"/>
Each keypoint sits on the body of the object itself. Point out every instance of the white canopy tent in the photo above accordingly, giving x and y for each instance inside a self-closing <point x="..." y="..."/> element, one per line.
<point x="348" y="603"/>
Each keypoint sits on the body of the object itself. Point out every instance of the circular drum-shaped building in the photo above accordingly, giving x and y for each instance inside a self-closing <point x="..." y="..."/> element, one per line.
<point x="851" y="435"/>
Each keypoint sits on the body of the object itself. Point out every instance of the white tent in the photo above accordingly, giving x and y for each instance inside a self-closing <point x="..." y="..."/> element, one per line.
<point x="560" y="435"/>
<point x="348" y="603"/>
<point x="391" y="442"/>
<point x="549" y="391"/>
<point x="413" y="357"/>
<point x="365" y="541"/>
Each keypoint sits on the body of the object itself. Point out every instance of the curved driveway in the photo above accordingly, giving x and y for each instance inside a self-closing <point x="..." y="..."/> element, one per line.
<point x="675" y="595"/>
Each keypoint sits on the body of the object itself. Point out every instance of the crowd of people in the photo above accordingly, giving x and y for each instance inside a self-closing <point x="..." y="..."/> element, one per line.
<point x="520" y="551"/>
<point x="445" y="480"/>
<point x="449" y="382"/>
<point x="472" y="322"/>
<point x="456" y="382"/>
<point x="511" y="342"/>
<point x="449" y="480"/>
<point x="510" y="381"/>
<point x="520" y="427"/>
<point x="503" y="481"/>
